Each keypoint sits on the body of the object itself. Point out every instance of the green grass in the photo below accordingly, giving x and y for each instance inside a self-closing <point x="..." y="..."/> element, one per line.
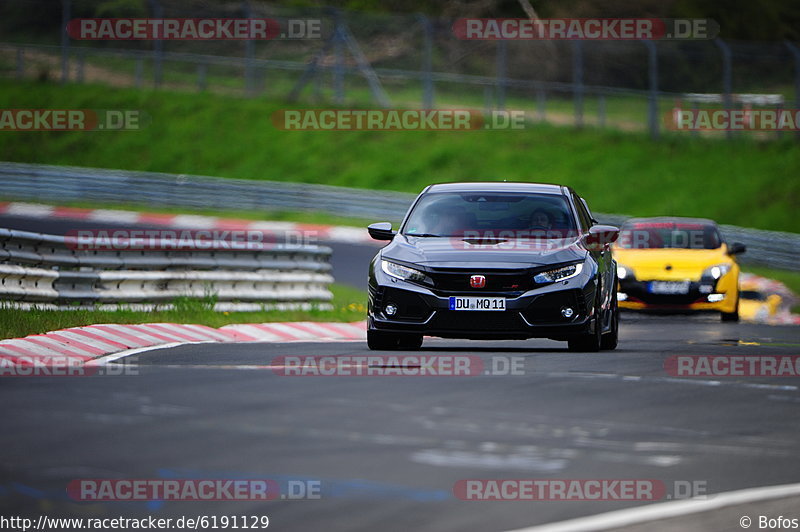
<point x="349" y="304"/>
<point x="744" y="182"/>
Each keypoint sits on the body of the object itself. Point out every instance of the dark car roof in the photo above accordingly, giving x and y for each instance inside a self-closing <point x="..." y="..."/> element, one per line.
<point x="671" y="219"/>
<point x="497" y="186"/>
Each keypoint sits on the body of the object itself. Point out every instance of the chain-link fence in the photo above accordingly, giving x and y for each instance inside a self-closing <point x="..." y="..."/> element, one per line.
<point x="383" y="60"/>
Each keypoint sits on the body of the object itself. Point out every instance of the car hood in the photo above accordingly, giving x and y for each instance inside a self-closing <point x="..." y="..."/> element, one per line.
<point x="499" y="253"/>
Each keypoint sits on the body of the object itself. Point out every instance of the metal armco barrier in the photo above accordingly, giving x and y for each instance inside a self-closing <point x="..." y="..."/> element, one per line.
<point x="64" y="184"/>
<point x="58" y="183"/>
<point x="38" y="268"/>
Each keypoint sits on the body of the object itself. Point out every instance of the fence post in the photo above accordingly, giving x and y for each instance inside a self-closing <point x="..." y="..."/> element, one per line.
<point x="427" y="62"/>
<point x="201" y="77"/>
<point x="249" y="51"/>
<point x="81" y="64"/>
<point x="158" y="45"/>
<point x="20" y="63"/>
<point x="727" y="78"/>
<point x="796" y="53"/>
<point x="138" y="72"/>
<point x="65" y="15"/>
<point x="338" y="54"/>
<point x="540" y="104"/>
<point x="601" y="110"/>
<point x="577" y="81"/>
<point x="502" y="54"/>
<point x="652" y="96"/>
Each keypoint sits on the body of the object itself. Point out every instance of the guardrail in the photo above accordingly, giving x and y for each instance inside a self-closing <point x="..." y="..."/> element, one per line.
<point x="62" y="271"/>
<point x="64" y="184"/>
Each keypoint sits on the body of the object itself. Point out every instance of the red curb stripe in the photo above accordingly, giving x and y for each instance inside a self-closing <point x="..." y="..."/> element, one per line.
<point x="210" y="331"/>
<point x="341" y="333"/>
<point x="238" y="336"/>
<point x="306" y="328"/>
<point x="99" y="338"/>
<point x="156" y="218"/>
<point x="184" y="335"/>
<point x="138" y="342"/>
<point x="231" y="224"/>
<point x="19" y="350"/>
<point x="72" y="212"/>
<point x="265" y="327"/>
<point x="36" y="339"/>
<point x="80" y="345"/>
<point x="154" y="334"/>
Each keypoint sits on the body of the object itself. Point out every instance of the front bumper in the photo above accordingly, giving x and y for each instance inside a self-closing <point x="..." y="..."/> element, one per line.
<point x="534" y="313"/>
<point x="704" y="295"/>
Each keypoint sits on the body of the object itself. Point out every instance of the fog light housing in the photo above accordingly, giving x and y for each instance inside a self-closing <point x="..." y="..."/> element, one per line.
<point x="713" y="298"/>
<point x="622" y="296"/>
<point x="390" y="309"/>
<point x="567" y="312"/>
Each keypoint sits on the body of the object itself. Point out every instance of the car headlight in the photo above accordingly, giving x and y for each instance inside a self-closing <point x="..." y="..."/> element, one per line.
<point x="623" y="272"/>
<point x="717" y="271"/>
<point x="558" y="274"/>
<point x="401" y="272"/>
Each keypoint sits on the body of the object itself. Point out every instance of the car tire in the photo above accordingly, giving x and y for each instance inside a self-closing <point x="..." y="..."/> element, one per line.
<point x="381" y="340"/>
<point x="611" y="339"/>
<point x="731" y="316"/>
<point x="411" y="342"/>
<point x="590" y="342"/>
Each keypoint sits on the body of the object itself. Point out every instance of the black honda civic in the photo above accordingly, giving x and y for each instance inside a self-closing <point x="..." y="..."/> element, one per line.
<point x="494" y="260"/>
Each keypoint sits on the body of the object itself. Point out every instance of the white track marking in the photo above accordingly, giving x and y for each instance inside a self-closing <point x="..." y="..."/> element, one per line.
<point x="667" y="510"/>
<point x="103" y="360"/>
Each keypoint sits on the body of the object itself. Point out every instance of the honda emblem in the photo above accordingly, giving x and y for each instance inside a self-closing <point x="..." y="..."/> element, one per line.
<point x="477" y="281"/>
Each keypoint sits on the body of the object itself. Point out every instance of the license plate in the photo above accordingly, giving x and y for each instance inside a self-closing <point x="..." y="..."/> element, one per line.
<point x="477" y="303"/>
<point x="669" y="287"/>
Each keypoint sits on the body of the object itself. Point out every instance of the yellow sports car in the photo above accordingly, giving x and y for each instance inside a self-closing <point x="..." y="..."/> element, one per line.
<point x="757" y="301"/>
<point x="677" y="264"/>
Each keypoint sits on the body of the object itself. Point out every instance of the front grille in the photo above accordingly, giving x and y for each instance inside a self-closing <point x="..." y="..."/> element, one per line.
<point x="496" y="280"/>
<point x="638" y="290"/>
<point x="477" y="321"/>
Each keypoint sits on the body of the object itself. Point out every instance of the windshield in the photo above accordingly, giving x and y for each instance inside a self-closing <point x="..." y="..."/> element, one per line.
<point x="661" y="235"/>
<point x="491" y="215"/>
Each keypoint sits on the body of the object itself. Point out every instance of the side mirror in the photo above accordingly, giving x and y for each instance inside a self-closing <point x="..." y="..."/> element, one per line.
<point x="381" y="231"/>
<point x="736" y="248"/>
<point x="600" y="237"/>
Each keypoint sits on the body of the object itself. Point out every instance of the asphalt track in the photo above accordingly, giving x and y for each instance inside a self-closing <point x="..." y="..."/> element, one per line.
<point x="387" y="451"/>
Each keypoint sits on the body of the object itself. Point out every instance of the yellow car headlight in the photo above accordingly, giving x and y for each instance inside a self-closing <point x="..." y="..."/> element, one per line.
<point x="717" y="271"/>
<point x="623" y="272"/>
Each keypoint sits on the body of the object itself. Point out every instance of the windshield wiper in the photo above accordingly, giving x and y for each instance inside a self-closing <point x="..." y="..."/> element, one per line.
<point x="424" y="235"/>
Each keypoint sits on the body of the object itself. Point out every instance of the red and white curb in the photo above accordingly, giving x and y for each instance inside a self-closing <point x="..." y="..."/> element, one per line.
<point x="95" y="341"/>
<point x="783" y="316"/>
<point x="326" y="233"/>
